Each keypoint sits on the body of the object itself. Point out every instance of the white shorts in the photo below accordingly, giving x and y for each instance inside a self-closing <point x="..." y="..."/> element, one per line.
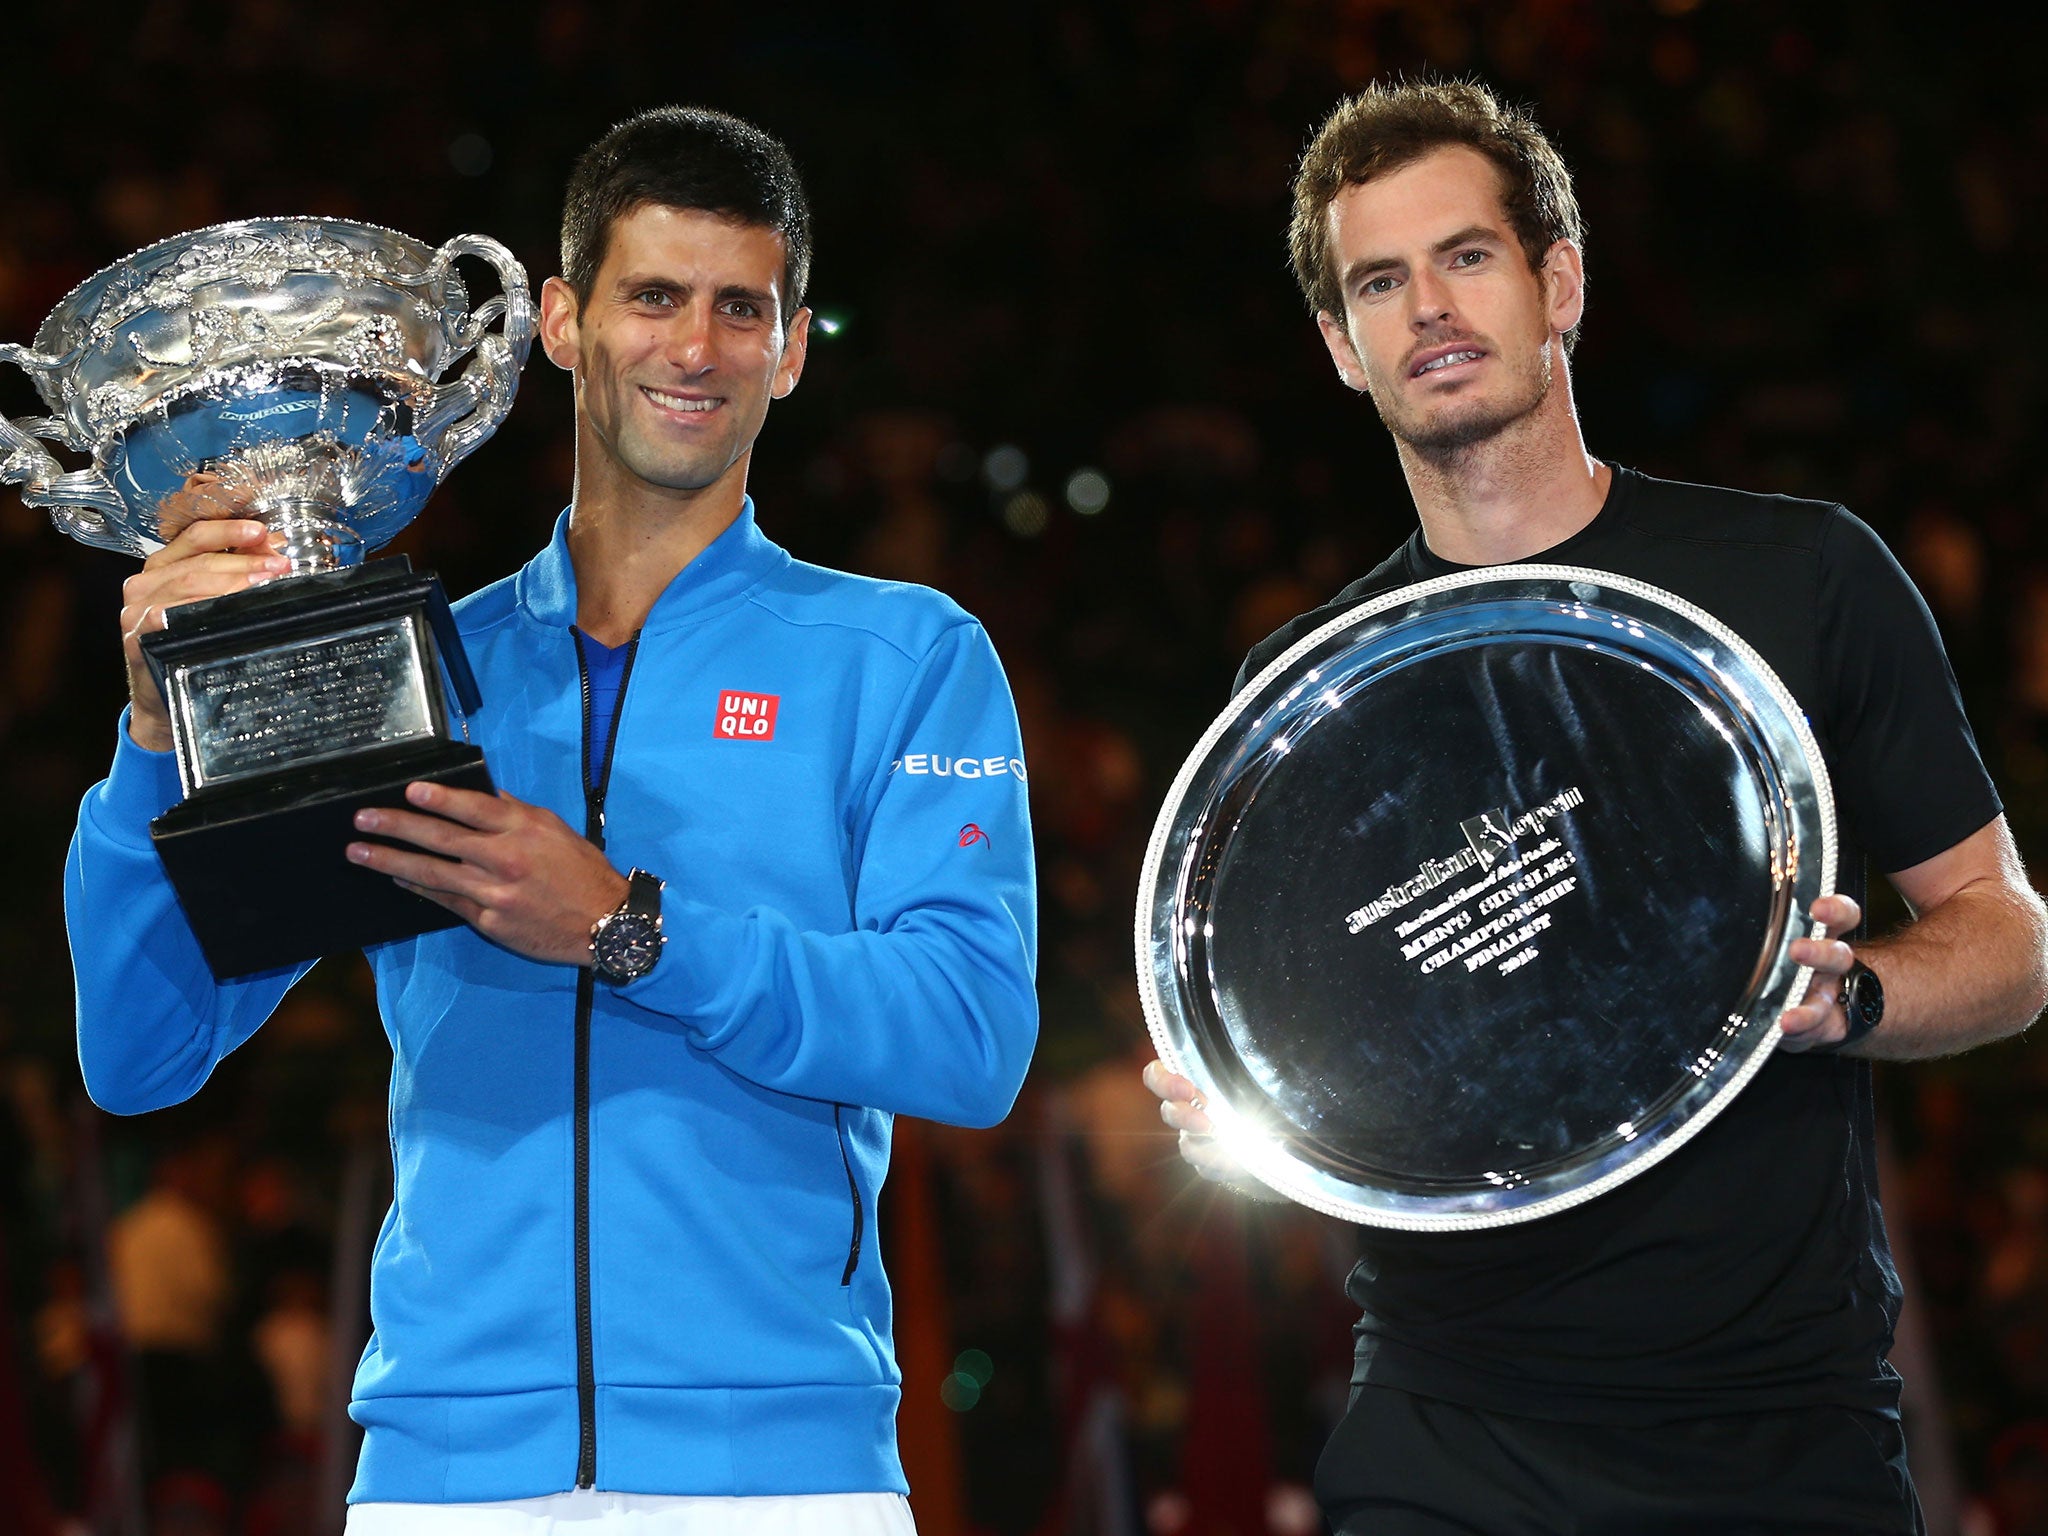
<point x="588" y="1512"/>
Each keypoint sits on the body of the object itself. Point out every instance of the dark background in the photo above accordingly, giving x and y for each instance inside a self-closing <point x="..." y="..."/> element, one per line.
<point x="1816" y="241"/>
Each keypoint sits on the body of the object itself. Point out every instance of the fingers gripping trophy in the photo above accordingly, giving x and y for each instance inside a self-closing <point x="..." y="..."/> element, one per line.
<point x="320" y="377"/>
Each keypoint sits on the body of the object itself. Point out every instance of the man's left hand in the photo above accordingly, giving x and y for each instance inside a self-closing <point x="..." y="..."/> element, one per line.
<point x="1819" y="1019"/>
<point x="516" y="873"/>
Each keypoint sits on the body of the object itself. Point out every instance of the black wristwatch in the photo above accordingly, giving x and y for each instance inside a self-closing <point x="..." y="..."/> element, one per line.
<point x="626" y="941"/>
<point x="1863" y="1002"/>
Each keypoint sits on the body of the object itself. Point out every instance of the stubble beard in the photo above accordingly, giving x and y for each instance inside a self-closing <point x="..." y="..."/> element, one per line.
<point x="1450" y="434"/>
<point x="640" y="455"/>
<point x="681" y="472"/>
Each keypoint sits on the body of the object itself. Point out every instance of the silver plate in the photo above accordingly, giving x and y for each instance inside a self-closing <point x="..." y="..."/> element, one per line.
<point x="1479" y="900"/>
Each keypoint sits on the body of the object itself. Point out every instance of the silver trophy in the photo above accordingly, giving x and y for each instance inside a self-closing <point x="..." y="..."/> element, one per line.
<point x="1480" y="900"/>
<point x="321" y="376"/>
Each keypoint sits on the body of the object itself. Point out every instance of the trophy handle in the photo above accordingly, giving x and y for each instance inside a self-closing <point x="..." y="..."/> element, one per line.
<point x="468" y="409"/>
<point x="79" y="501"/>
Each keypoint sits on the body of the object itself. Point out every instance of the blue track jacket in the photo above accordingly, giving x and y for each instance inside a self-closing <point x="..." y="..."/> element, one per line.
<point x="827" y="772"/>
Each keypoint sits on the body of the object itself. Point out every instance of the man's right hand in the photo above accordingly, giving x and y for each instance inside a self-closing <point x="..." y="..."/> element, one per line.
<point x="212" y="556"/>
<point x="1180" y="1106"/>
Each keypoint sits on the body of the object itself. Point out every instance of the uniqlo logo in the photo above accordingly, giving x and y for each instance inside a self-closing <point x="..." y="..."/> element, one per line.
<point x="746" y="716"/>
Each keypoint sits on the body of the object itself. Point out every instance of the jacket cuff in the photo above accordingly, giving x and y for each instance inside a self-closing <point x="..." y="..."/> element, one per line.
<point x="141" y="786"/>
<point x="700" y="944"/>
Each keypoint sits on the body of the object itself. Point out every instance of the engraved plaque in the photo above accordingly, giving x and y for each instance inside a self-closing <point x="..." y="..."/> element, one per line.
<point x="294" y="705"/>
<point x="305" y="701"/>
<point x="1479" y="900"/>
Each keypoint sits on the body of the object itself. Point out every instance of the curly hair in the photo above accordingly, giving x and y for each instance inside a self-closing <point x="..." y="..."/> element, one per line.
<point x="1387" y="126"/>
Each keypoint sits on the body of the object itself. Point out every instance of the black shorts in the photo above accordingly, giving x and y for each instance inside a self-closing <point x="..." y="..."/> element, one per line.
<point x="1402" y="1465"/>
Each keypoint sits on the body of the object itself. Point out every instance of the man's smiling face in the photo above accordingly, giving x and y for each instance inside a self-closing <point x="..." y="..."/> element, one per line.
<point x="1445" y="325"/>
<point x="678" y="347"/>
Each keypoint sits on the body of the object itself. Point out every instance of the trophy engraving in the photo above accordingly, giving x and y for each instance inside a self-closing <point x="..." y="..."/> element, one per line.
<point x="1490" y="920"/>
<point x="324" y="376"/>
<point x="302" y="702"/>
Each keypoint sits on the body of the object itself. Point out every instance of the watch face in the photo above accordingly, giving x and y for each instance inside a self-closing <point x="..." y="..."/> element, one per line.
<point x="629" y="945"/>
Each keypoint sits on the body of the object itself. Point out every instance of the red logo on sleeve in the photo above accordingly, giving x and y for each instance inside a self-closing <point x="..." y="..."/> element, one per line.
<point x="971" y="834"/>
<point x="746" y="716"/>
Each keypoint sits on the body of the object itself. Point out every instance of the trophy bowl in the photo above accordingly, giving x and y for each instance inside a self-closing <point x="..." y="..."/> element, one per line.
<point x="304" y="371"/>
<point x="301" y="360"/>
<point x="1479" y="900"/>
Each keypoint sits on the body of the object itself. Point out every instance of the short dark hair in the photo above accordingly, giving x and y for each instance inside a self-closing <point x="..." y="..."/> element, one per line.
<point x="1387" y="126"/>
<point x="685" y="157"/>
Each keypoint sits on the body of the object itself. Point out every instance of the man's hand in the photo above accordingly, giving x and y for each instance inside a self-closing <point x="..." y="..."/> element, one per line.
<point x="214" y="553"/>
<point x="1180" y="1106"/>
<point x="1818" y="1019"/>
<point x="516" y="873"/>
<point x="203" y="497"/>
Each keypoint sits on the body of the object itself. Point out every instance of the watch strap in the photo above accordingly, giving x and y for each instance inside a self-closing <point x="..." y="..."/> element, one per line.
<point x="1863" y="1003"/>
<point x="643" y="895"/>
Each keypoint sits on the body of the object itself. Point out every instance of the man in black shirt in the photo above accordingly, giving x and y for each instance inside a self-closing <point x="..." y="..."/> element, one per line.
<point x="1703" y="1348"/>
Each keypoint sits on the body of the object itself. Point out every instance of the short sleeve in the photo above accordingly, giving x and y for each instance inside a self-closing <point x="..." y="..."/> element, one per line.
<point x="1907" y="769"/>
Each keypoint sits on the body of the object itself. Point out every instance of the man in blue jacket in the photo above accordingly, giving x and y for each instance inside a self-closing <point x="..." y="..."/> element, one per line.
<point x="758" y="879"/>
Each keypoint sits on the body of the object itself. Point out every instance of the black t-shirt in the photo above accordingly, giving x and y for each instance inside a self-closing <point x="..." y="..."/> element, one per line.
<point x="1748" y="1270"/>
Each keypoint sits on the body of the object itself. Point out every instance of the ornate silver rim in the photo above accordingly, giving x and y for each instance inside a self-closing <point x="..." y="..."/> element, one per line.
<point x="150" y="257"/>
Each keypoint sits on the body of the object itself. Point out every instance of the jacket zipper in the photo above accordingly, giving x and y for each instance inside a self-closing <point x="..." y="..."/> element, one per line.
<point x="853" y="1190"/>
<point x="586" y="998"/>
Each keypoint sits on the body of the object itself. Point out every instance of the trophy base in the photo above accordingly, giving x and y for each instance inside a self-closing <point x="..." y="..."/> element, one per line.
<point x="261" y="869"/>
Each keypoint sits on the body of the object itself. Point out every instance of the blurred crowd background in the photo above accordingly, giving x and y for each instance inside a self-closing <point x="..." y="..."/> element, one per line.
<point x="1070" y="383"/>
